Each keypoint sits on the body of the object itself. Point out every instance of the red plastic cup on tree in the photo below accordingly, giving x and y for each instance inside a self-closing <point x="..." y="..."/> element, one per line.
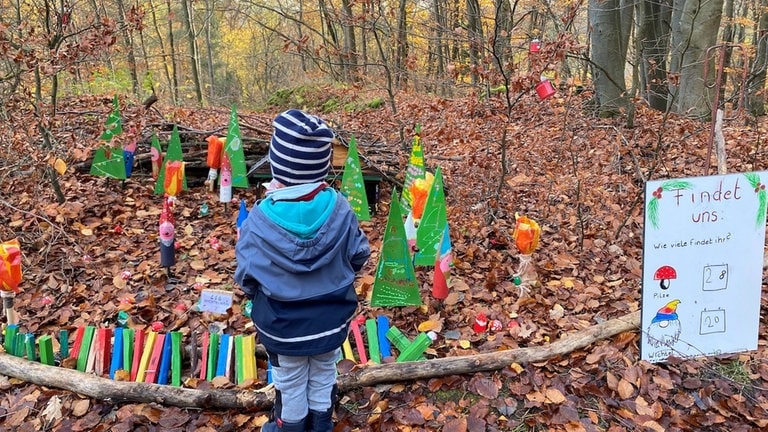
<point x="544" y="88"/>
<point x="534" y="46"/>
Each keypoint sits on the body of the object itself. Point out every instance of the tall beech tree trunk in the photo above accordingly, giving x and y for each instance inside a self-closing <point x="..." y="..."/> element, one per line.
<point x="129" y="48"/>
<point x="172" y="45"/>
<point x="610" y="21"/>
<point x="756" y="82"/>
<point x="475" y="33"/>
<point x="653" y="39"/>
<point x="189" y="20"/>
<point x="401" y="74"/>
<point x="349" y="47"/>
<point x="695" y="25"/>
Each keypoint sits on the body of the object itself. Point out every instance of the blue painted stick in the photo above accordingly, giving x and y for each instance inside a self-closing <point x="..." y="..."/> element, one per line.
<point x="117" y="353"/>
<point x="382" y="325"/>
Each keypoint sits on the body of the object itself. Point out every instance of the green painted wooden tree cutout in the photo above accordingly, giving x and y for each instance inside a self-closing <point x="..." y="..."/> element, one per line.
<point x="414" y="171"/>
<point x="395" y="283"/>
<point x="174" y="153"/>
<point x="234" y="149"/>
<point x="108" y="159"/>
<point x="353" y="184"/>
<point x="432" y="224"/>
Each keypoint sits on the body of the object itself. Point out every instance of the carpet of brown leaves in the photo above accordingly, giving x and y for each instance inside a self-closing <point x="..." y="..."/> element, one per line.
<point x="580" y="177"/>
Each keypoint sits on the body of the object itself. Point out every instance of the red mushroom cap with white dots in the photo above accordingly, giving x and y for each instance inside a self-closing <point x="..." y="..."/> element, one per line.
<point x="665" y="272"/>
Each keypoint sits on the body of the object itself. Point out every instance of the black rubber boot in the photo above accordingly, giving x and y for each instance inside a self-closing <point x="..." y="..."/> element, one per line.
<point x="281" y="426"/>
<point x="299" y="426"/>
<point x="320" y="421"/>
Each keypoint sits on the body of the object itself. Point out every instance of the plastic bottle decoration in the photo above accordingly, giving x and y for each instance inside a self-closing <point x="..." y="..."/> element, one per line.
<point x="215" y="149"/>
<point x="416" y="348"/>
<point x="535" y="46"/>
<point x="174" y="153"/>
<point x="156" y="155"/>
<point x="443" y="261"/>
<point x="544" y="88"/>
<point x="10" y="276"/>
<point x="481" y="323"/>
<point x="128" y="155"/>
<point x="167" y="238"/>
<point x="242" y="215"/>
<point x="225" y="183"/>
<point x="174" y="177"/>
<point x="415" y="170"/>
<point x="419" y="191"/>
<point x="526" y="236"/>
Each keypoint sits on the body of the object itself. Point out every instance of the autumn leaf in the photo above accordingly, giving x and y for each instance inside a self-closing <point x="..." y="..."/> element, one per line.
<point x="554" y="396"/>
<point x="52" y="411"/>
<point x="625" y="389"/>
<point x="197" y="265"/>
<point x="60" y="166"/>
<point x="80" y="407"/>
<point x="486" y="388"/>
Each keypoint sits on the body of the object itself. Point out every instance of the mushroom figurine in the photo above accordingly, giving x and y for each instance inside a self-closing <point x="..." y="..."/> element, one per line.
<point x="664" y="274"/>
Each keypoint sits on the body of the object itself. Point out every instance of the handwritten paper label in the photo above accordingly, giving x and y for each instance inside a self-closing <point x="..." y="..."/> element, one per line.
<point x="702" y="265"/>
<point x="215" y="301"/>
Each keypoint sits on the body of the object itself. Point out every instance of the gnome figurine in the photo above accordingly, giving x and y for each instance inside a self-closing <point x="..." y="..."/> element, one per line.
<point x="167" y="238"/>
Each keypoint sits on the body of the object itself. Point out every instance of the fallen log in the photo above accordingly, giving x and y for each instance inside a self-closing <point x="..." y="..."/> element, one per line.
<point x="368" y="375"/>
<point x="393" y="372"/>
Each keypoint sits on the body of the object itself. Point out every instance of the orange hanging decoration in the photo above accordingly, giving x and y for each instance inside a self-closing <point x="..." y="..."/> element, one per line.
<point x="10" y="271"/>
<point x="10" y="276"/>
<point x="526" y="234"/>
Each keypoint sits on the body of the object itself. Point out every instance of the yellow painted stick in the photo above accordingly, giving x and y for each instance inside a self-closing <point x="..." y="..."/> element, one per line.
<point x="145" y="356"/>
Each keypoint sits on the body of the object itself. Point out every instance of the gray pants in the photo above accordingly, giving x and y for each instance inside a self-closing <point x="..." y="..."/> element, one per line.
<point x="303" y="383"/>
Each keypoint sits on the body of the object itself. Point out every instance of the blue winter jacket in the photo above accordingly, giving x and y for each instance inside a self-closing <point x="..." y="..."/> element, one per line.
<point x="297" y="256"/>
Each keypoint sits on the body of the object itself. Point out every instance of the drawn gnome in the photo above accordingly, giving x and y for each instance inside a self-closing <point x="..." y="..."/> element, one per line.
<point x="665" y="327"/>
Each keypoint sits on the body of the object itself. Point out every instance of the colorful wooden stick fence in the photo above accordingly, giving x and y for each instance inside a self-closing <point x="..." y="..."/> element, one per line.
<point x="154" y="357"/>
<point x="146" y="356"/>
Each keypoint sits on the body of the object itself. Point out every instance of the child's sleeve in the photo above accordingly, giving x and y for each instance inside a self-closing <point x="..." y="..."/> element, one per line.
<point x="243" y="276"/>
<point x="360" y="250"/>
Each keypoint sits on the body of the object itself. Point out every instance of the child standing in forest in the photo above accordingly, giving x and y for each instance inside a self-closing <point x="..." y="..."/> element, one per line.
<point x="297" y="257"/>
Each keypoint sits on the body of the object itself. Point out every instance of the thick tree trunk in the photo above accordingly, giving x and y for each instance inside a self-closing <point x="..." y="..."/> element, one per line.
<point x="694" y="29"/>
<point x="167" y="63"/>
<point x="129" y="47"/>
<point x="653" y="37"/>
<point x="172" y="61"/>
<point x="349" y="49"/>
<point x="401" y="73"/>
<point x="756" y="81"/>
<point x="475" y="33"/>
<point x="189" y="19"/>
<point x="369" y="375"/>
<point x="209" y="48"/>
<point x="609" y="38"/>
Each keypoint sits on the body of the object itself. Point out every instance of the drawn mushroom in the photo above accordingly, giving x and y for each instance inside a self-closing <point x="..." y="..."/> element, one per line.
<point x="664" y="274"/>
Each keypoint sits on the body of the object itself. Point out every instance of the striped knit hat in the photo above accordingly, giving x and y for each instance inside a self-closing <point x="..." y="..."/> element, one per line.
<point x="300" y="151"/>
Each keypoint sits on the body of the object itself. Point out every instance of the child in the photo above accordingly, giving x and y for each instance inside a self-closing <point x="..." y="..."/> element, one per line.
<point x="297" y="256"/>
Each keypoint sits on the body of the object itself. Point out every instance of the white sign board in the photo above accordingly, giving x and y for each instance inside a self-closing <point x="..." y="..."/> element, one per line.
<point x="702" y="265"/>
<point x="215" y="301"/>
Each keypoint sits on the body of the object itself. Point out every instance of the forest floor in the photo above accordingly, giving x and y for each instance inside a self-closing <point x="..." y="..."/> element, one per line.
<point x="581" y="178"/>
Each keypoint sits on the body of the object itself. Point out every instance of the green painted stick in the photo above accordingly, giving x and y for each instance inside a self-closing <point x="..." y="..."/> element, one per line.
<point x="46" y="350"/>
<point x="373" y="340"/>
<point x="176" y="358"/>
